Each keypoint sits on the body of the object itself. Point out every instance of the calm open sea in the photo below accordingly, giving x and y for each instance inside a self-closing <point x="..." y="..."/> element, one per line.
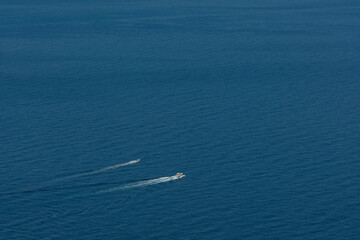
<point x="256" y="102"/>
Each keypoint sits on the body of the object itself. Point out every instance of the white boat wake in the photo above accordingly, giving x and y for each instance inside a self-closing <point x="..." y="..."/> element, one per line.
<point x="141" y="184"/>
<point x="45" y="187"/>
<point x="98" y="171"/>
<point x="134" y="185"/>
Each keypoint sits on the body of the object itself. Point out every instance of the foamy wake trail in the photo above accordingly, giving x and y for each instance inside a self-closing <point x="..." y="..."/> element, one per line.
<point x="133" y="185"/>
<point x="98" y="171"/>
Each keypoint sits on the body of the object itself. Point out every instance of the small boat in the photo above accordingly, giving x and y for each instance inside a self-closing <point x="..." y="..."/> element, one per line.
<point x="179" y="175"/>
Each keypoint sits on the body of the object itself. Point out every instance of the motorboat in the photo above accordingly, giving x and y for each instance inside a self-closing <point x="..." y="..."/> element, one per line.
<point x="179" y="175"/>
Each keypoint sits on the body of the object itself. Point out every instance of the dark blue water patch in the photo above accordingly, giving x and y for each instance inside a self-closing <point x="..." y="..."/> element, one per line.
<point x="256" y="102"/>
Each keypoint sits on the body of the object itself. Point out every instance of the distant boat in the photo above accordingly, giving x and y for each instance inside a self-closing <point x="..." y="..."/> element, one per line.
<point x="179" y="175"/>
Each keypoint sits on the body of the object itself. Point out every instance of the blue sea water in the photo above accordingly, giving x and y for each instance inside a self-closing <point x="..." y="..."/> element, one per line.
<point x="257" y="102"/>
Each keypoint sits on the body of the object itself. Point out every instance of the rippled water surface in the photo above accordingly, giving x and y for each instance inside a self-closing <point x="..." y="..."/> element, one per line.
<point x="257" y="102"/>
